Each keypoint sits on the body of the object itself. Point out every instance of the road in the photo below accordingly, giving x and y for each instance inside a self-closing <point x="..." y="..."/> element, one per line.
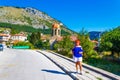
<point x="28" y="65"/>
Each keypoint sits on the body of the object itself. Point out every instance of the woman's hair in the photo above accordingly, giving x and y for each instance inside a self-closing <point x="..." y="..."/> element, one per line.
<point x="77" y="41"/>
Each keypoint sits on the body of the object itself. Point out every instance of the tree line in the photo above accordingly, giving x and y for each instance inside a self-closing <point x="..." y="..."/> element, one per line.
<point x="110" y="41"/>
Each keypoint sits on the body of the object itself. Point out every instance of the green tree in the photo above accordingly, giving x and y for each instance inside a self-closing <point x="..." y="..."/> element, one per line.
<point x="34" y="38"/>
<point x="86" y="44"/>
<point x="46" y="44"/>
<point x="64" y="47"/>
<point x="110" y="41"/>
<point x="22" y="43"/>
<point x="13" y="31"/>
<point x="39" y="44"/>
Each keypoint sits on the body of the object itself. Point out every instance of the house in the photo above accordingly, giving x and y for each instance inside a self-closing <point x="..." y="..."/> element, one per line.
<point x="18" y="37"/>
<point x="4" y="37"/>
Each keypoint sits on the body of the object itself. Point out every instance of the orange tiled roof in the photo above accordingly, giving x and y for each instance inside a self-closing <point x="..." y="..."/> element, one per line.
<point x="59" y="38"/>
<point x="5" y="35"/>
<point x="94" y="41"/>
<point x="18" y="35"/>
<point x="73" y="38"/>
<point x="55" y="25"/>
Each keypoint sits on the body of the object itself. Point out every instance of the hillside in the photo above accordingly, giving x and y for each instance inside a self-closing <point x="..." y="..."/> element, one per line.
<point x="29" y="17"/>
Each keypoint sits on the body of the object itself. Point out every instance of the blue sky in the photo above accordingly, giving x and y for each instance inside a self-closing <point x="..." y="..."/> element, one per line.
<point x="92" y="15"/>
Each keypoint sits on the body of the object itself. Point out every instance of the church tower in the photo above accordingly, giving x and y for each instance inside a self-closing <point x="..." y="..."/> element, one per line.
<point x="56" y="31"/>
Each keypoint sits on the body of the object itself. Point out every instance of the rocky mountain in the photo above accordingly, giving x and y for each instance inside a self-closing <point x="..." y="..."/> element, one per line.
<point x="28" y="16"/>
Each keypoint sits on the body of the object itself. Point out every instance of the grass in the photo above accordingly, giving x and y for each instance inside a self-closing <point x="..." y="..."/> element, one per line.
<point x="104" y="64"/>
<point x="86" y="72"/>
<point x="99" y="78"/>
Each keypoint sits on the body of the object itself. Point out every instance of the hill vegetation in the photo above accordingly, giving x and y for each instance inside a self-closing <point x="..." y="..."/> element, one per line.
<point x="35" y="20"/>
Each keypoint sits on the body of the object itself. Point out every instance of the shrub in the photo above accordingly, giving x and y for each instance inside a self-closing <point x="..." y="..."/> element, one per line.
<point x="22" y="43"/>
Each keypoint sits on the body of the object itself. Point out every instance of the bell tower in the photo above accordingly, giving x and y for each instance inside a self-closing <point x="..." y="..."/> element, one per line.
<point x="56" y="31"/>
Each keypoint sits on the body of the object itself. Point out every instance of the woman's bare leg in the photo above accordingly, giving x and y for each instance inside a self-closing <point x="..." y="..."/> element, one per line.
<point x="76" y="65"/>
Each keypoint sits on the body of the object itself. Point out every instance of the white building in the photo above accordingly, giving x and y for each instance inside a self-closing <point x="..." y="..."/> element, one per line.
<point x="19" y="37"/>
<point x="4" y="37"/>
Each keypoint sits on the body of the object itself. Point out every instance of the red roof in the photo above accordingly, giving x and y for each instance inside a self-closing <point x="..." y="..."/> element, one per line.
<point x="94" y="41"/>
<point x="5" y="35"/>
<point x="18" y="35"/>
<point x="73" y="38"/>
<point x="55" y="25"/>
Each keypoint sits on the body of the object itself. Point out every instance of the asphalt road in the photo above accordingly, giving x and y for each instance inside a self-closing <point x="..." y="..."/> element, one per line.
<point x="28" y="65"/>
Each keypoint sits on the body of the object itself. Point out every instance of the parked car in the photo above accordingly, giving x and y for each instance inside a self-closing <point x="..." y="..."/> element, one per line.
<point x="1" y="47"/>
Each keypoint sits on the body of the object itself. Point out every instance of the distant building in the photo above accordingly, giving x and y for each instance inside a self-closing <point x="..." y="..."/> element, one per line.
<point x="18" y="37"/>
<point x="95" y="42"/>
<point x="73" y="37"/>
<point x="56" y="30"/>
<point x="4" y="38"/>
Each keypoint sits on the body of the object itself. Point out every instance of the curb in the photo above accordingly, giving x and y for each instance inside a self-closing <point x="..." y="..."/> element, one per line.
<point x="95" y="69"/>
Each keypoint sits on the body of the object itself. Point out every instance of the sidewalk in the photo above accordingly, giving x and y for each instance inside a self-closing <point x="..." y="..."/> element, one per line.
<point x="89" y="72"/>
